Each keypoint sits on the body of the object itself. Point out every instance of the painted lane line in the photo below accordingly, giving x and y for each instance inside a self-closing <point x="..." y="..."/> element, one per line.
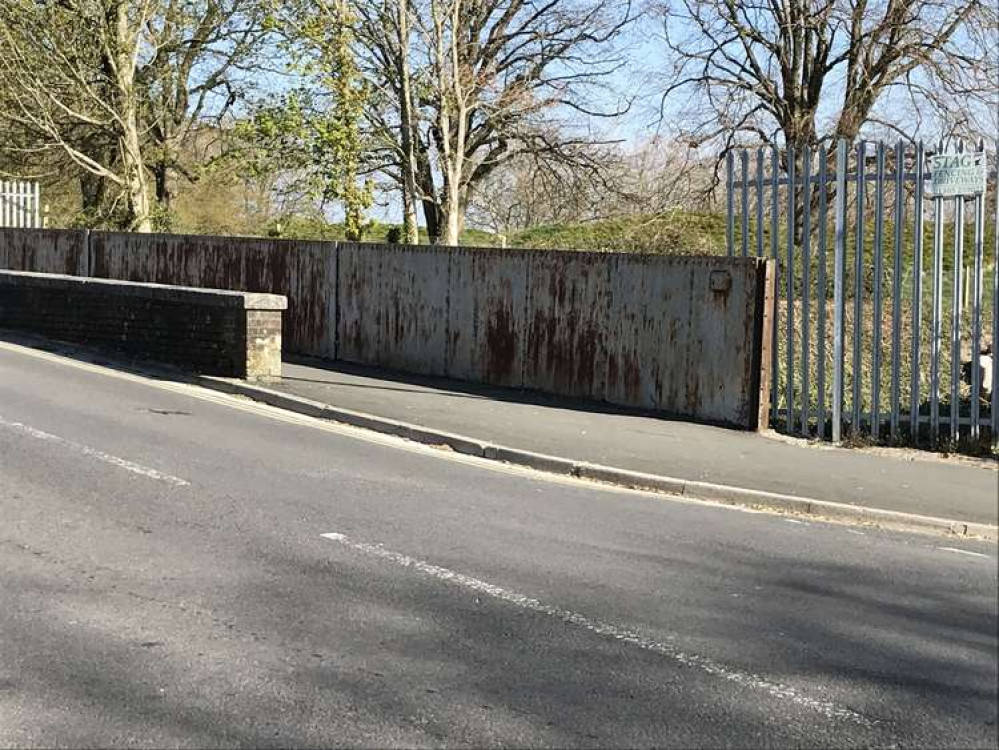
<point x="609" y="631"/>
<point x="86" y="450"/>
<point x="964" y="552"/>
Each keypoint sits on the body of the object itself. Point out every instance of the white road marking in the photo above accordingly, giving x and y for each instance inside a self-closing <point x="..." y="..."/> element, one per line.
<point x="964" y="552"/>
<point x="86" y="450"/>
<point x="613" y="632"/>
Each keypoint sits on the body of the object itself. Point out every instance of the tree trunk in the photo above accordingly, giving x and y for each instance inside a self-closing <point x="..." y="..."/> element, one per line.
<point x="136" y="184"/>
<point x="93" y="191"/>
<point x="452" y="204"/>
<point x="406" y="129"/>
<point x="431" y="207"/>
<point x="454" y="128"/>
<point x="452" y="235"/>
<point x="432" y="218"/>
<point x="161" y="176"/>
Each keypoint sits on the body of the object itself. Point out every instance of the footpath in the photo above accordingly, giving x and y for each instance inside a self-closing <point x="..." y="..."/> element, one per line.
<point x="685" y="458"/>
<point x="903" y="489"/>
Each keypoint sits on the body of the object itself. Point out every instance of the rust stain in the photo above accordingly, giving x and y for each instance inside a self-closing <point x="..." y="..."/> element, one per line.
<point x="230" y="263"/>
<point x="501" y="344"/>
<point x="632" y="379"/>
<point x="612" y="374"/>
<point x="60" y="251"/>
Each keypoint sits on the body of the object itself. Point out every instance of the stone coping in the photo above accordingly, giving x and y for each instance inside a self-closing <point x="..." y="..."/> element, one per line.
<point x="163" y="292"/>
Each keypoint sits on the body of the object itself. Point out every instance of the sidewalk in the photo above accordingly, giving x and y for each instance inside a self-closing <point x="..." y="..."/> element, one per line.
<point x="960" y="489"/>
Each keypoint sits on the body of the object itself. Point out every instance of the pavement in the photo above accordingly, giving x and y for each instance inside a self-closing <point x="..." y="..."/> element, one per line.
<point x="183" y="568"/>
<point x="901" y="481"/>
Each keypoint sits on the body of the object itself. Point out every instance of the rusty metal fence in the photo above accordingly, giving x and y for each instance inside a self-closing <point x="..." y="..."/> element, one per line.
<point x="888" y="291"/>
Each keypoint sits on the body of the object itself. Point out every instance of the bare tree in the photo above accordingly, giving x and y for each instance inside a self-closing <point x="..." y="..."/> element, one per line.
<point x="489" y="82"/>
<point x="519" y="195"/>
<point x="779" y="70"/>
<point x="202" y="56"/>
<point x="645" y="179"/>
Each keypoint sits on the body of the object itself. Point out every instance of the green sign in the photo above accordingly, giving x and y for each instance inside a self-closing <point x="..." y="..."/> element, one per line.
<point x="958" y="174"/>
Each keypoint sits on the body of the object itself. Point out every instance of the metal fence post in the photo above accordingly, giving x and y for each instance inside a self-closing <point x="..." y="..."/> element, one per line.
<point x="956" y="308"/>
<point x="744" y="195"/>
<point x="879" y="223"/>
<point x="858" y="294"/>
<point x="936" y="338"/>
<point x="806" y="281"/>
<point x="839" y="260"/>
<point x="976" y="310"/>
<point x="774" y="231"/>
<point x="729" y="205"/>
<point x="896" y="290"/>
<point x="789" y="276"/>
<point x="995" y="317"/>
<point x="917" y="294"/>
<point x="759" y="203"/>
<point x="822" y="295"/>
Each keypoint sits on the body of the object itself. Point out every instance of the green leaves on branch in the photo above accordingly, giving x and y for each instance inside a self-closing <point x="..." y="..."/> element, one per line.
<point x="316" y="130"/>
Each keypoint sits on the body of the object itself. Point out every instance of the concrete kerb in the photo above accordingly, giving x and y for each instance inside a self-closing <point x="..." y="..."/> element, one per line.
<point x="609" y="475"/>
<point x="706" y="491"/>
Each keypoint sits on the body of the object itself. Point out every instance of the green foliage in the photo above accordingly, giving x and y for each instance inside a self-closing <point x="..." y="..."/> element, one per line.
<point x="162" y="218"/>
<point x="315" y="132"/>
<point x="676" y="232"/>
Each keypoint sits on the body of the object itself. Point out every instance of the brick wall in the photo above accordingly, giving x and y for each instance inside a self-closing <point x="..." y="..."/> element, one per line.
<point x="209" y="331"/>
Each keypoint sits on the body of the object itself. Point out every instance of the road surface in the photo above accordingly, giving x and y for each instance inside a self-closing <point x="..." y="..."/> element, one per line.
<point x="180" y="568"/>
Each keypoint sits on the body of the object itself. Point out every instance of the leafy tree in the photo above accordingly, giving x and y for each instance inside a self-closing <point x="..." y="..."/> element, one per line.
<point x="114" y="92"/>
<point x="69" y="70"/>
<point x="202" y="56"/>
<point x="314" y="131"/>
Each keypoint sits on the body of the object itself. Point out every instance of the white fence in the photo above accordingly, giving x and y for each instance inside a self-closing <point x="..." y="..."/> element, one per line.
<point x="20" y="205"/>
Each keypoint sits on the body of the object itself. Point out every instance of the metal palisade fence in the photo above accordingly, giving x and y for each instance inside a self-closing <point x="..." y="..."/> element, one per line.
<point x="888" y="289"/>
<point x="20" y="204"/>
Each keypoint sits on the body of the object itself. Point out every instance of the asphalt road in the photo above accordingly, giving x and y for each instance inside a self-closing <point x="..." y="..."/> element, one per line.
<point x="179" y="568"/>
<point x="957" y="488"/>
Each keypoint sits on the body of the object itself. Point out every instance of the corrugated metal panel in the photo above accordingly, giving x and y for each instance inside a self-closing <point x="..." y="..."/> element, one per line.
<point x="393" y="310"/>
<point x="487" y="316"/>
<point x="645" y="333"/>
<point x="44" y="251"/>
<point x="567" y="303"/>
<point x="302" y="271"/>
<point x="664" y="333"/>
